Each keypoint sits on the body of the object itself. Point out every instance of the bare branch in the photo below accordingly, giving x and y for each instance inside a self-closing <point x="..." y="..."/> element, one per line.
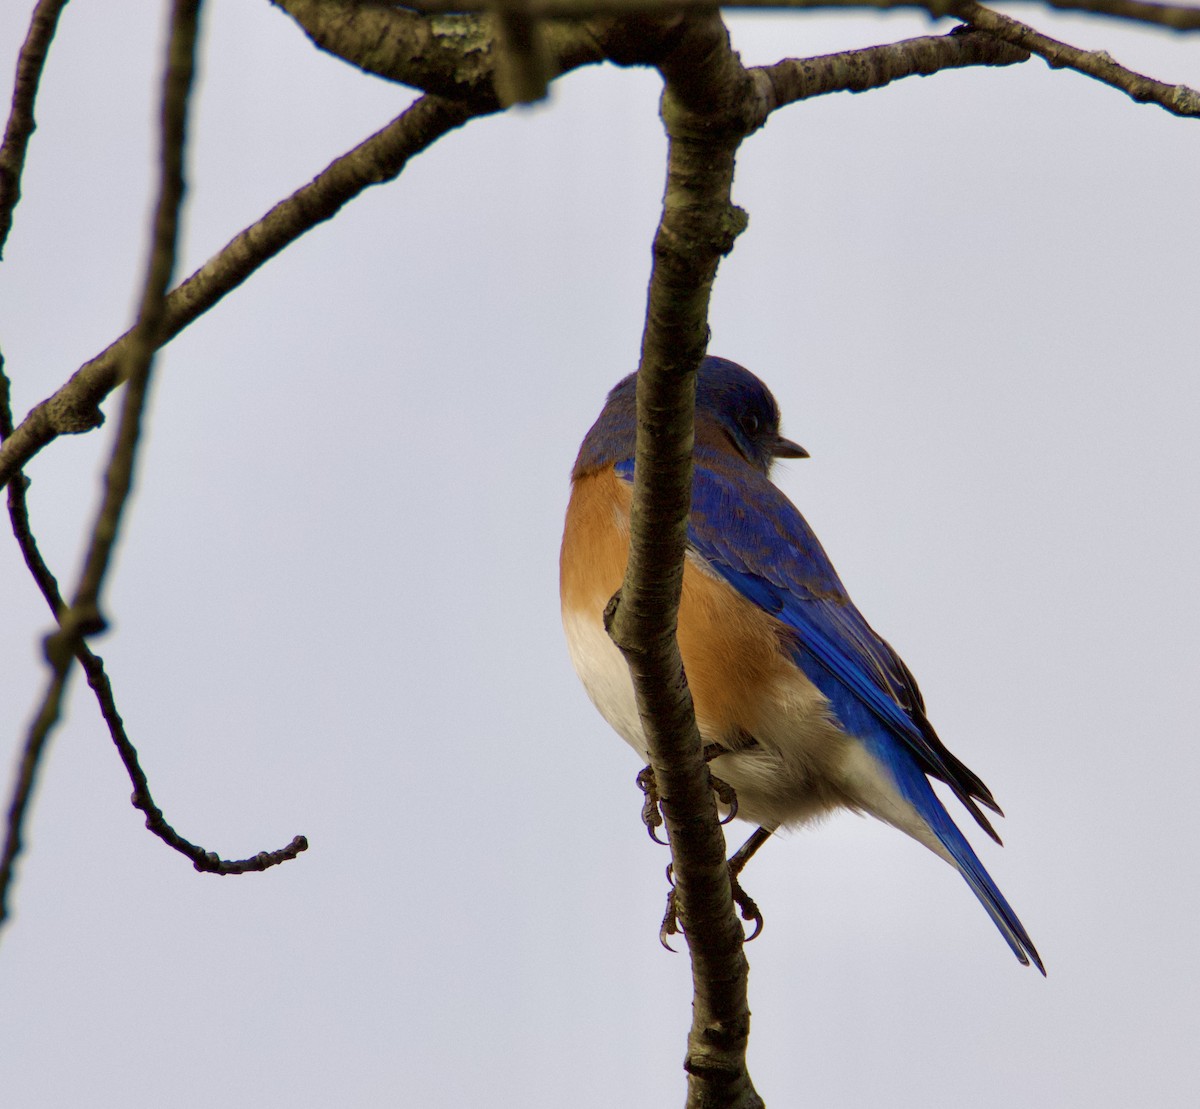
<point x="75" y="408"/>
<point x="83" y="617"/>
<point x="873" y="67"/>
<point x="1177" y="99"/>
<point x="21" y="124"/>
<point x="488" y="60"/>
<point x="704" y="108"/>
<point x="449" y="56"/>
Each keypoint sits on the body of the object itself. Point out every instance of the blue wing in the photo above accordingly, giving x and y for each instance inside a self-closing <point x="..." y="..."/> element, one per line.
<point x="754" y="537"/>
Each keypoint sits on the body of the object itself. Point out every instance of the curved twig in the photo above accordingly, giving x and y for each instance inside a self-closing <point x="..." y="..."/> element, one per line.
<point x="93" y="668"/>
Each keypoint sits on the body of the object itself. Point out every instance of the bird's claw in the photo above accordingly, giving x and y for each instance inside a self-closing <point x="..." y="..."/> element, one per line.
<point x="725" y="794"/>
<point x="746" y="904"/>
<point x="652" y="805"/>
<point x="670" y="921"/>
<point x="651" y="812"/>
<point x="724" y="791"/>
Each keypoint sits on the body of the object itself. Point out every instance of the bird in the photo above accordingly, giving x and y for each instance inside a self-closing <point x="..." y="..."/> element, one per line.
<point x="802" y="708"/>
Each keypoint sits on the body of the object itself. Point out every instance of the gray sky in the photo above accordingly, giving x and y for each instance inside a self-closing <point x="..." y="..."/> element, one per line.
<point x="335" y="608"/>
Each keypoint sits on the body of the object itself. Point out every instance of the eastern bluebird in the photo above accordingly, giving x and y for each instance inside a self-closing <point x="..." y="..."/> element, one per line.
<point x="801" y="705"/>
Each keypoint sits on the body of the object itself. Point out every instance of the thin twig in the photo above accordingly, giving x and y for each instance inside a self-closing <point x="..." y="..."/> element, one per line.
<point x="83" y="615"/>
<point x="795" y="79"/>
<point x="21" y="123"/>
<point x="93" y="667"/>
<point x="1177" y="99"/>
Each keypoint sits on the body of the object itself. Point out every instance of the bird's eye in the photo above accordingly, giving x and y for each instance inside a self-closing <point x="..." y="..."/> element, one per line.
<point x="750" y="423"/>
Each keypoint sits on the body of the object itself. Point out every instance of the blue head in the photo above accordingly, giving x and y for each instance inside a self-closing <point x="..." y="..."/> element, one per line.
<point x="733" y="410"/>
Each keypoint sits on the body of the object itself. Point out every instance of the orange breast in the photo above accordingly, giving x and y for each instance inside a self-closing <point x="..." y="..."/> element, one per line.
<point x="731" y="649"/>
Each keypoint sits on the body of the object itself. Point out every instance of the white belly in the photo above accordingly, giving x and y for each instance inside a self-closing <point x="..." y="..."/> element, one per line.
<point x="802" y="765"/>
<point x="605" y="676"/>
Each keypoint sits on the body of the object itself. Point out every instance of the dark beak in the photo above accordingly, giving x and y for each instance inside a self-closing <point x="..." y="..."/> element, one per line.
<point x="785" y="448"/>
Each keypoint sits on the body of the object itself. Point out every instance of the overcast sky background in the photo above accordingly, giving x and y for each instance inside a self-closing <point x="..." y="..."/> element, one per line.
<point x="335" y="606"/>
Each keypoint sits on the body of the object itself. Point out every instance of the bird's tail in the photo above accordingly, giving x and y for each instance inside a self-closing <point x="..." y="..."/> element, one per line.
<point x="919" y="793"/>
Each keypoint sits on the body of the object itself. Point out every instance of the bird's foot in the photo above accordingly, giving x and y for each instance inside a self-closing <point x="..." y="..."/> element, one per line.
<point x="672" y="926"/>
<point x="652" y="804"/>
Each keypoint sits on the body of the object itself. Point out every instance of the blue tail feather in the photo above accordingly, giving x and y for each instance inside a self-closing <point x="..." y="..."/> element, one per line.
<point x="860" y="720"/>
<point x="919" y="793"/>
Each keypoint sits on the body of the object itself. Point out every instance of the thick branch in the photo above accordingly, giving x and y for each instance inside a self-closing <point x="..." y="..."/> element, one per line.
<point x="449" y="56"/>
<point x="75" y="407"/>
<point x="457" y="55"/>
<point x="21" y="124"/>
<point x="704" y="110"/>
<point x="1176" y="99"/>
<point x="485" y="60"/>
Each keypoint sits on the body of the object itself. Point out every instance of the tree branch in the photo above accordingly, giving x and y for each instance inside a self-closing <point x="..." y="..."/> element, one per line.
<point x="74" y="408"/>
<point x="704" y="109"/>
<point x="1177" y="99"/>
<point x="796" y="79"/>
<point x="449" y="56"/>
<point x="487" y="60"/>
<point x="21" y="124"/>
<point x="83" y="615"/>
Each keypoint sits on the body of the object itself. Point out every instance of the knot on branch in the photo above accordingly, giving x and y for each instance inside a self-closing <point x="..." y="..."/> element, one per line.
<point x="73" y="416"/>
<point x="726" y="1034"/>
<point x="1186" y="101"/>
<point x="734" y="221"/>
